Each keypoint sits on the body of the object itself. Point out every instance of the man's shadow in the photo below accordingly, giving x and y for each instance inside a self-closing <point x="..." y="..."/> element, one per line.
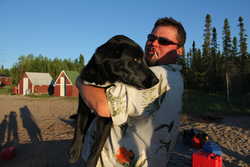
<point x="12" y="133"/>
<point x="30" y="125"/>
<point x="3" y="128"/>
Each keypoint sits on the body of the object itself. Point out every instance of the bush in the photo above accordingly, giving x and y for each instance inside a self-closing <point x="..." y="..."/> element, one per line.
<point x="200" y="103"/>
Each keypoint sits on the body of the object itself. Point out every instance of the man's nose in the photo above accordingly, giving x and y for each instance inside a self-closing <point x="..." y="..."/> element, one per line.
<point x="155" y="43"/>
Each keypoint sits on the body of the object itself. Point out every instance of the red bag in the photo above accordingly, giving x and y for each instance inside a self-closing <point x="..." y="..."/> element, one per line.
<point x="204" y="159"/>
<point x="8" y="153"/>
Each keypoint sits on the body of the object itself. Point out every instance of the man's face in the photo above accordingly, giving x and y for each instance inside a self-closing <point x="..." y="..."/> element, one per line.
<point x="155" y="51"/>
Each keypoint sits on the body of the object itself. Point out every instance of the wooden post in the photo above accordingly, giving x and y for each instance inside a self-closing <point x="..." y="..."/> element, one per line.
<point x="227" y="82"/>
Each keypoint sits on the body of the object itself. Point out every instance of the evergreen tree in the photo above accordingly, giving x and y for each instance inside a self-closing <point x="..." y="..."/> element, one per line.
<point x="213" y="75"/>
<point x="244" y="58"/>
<point x="207" y="35"/>
<point x="189" y="59"/>
<point x="214" y="43"/>
<point x="81" y="60"/>
<point x="235" y="47"/>
<point x="227" y="42"/>
<point x="243" y="46"/>
<point x="4" y="71"/>
<point x="227" y="54"/>
<point x="15" y="74"/>
<point x="243" y="39"/>
<point x="196" y="58"/>
<point x="207" y="59"/>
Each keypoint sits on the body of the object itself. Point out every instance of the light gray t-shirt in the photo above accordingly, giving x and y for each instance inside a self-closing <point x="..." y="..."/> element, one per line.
<point x="145" y="122"/>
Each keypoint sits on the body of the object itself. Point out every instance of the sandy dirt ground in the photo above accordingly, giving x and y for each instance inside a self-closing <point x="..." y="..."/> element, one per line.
<point x="232" y="134"/>
<point x="38" y="127"/>
<point x="41" y="131"/>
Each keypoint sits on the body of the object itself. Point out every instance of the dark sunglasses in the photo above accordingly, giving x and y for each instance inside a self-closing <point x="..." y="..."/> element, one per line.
<point x="161" y="40"/>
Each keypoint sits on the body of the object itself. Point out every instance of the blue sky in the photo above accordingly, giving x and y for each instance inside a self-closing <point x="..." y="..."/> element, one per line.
<point x="64" y="28"/>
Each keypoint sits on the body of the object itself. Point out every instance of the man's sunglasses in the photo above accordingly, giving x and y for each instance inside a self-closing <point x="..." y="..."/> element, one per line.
<point x="161" y="40"/>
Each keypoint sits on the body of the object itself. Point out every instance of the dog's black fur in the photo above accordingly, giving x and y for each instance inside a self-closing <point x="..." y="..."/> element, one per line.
<point x="120" y="59"/>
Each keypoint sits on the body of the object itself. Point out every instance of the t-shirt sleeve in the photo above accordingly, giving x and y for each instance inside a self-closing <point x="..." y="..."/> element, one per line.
<point x="126" y="101"/>
<point x="118" y="103"/>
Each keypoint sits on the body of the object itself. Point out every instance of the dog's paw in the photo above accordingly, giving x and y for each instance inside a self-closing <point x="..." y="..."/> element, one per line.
<point x="74" y="153"/>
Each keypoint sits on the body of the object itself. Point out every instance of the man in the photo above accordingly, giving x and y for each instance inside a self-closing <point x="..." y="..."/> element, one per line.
<point x="145" y="122"/>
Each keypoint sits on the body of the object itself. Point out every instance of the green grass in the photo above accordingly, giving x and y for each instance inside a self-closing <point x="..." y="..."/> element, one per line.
<point x="199" y="103"/>
<point x="5" y="90"/>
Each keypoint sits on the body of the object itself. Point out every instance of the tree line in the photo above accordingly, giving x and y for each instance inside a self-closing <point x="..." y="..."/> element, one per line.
<point x="219" y="69"/>
<point x="214" y="67"/>
<point x="31" y="63"/>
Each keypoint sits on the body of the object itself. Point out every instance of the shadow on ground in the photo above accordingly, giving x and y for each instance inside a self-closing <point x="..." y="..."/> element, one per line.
<point x="30" y="125"/>
<point x="43" y="154"/>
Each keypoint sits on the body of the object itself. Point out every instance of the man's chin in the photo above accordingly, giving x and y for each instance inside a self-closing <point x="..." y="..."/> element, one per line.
<point x="151" y="61"/>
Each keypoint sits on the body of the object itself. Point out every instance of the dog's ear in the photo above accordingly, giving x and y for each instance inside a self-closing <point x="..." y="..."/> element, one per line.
<point x="101" y="66"/>
<point x="109" y="50"/>
<point x="122" y="39"/>
<point x="94" y="72"/>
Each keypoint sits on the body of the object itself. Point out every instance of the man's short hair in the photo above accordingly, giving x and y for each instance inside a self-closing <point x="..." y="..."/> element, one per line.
<point x="169" y="21"/>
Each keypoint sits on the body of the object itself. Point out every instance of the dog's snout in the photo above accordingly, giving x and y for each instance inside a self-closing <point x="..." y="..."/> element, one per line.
<point x="155" y="80"/>
<point x="151" y="81"/>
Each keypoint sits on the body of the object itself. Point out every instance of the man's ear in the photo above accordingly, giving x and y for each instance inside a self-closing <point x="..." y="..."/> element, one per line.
<point x="180" y="51"/>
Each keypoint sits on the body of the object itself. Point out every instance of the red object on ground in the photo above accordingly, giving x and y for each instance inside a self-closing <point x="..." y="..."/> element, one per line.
<point x="196" y="142"/>
<point x="204" y="159"/>
<point x="8" y="153"/>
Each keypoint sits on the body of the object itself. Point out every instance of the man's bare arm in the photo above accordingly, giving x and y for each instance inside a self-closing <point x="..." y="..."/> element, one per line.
<point x="96" y="99"/>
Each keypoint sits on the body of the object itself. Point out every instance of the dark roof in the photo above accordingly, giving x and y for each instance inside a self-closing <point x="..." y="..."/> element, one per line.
<point x="3" y="75"/>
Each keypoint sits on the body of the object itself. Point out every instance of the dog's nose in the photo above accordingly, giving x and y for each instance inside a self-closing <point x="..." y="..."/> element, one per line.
<point x="154" y="81"/>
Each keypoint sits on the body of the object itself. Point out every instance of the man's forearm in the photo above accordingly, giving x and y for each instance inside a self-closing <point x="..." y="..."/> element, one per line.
<point x="96" y="99"/>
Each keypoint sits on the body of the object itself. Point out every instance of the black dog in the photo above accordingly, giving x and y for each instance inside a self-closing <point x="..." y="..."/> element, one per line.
<point x="120" y="59"/>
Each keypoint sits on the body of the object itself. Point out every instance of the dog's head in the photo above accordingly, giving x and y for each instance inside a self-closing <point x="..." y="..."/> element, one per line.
<point x="119" y="59"/>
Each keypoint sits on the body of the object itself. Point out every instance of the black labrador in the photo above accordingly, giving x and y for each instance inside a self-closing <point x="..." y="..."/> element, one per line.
<point x="120" y="59"/>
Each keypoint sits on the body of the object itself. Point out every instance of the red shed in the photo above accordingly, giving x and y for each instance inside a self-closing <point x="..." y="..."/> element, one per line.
<point x="5" y="80"/>
<point x="35" y="82"/>
<point x="65" y="84"/>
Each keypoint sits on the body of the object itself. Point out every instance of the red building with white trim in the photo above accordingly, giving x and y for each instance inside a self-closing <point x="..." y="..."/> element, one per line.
<point x="35" y="83"/>
<point x="65" y="84"/>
